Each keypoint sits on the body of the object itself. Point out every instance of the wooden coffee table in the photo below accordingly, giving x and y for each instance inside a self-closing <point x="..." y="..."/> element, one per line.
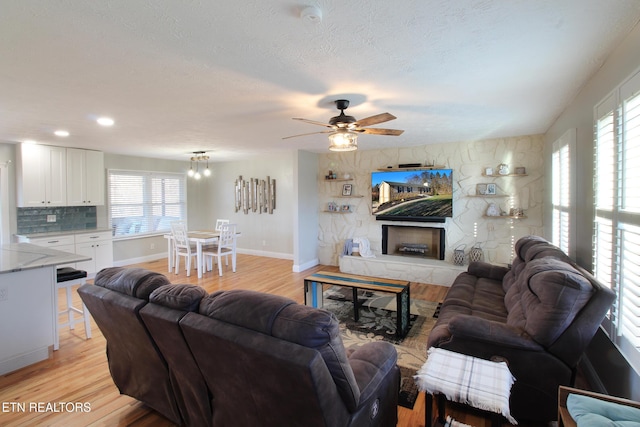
<point x="313" y="292"/>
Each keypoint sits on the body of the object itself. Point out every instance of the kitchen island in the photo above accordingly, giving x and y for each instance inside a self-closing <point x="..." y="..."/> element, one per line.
<point x="27" y="311"/>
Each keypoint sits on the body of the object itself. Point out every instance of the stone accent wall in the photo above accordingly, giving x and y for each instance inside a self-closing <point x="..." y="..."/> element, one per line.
<point x="468" y="226"/>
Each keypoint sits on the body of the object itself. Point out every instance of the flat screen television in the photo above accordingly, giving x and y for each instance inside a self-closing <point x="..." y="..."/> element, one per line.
<point x="412" y="195"/>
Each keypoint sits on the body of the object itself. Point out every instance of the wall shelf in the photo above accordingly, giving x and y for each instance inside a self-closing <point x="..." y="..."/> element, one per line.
<point x="488" y="196"/>
<point x="497" y="175"/>
<point x="504" y="216"/>
<point x="348" y="197"/>
<point x="421" y="168"/>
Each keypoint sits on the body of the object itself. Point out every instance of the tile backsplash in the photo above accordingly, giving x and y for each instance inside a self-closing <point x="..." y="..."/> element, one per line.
<point x="34" y="220"/>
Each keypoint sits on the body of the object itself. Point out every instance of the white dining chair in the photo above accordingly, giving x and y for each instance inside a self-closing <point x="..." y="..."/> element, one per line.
<point x="220" y="223"/>
<point x="182" y="246"/>
<point x="225" y="246"/>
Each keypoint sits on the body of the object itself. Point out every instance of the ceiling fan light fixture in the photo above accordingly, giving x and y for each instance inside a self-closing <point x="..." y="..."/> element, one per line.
<point x="343" y="140"/>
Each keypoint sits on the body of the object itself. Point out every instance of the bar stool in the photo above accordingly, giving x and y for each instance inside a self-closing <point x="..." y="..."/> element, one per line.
<point x="66" y="277"/>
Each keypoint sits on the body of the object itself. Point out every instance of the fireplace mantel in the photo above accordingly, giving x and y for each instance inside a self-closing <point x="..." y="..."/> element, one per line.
<point x="420" y="270"/>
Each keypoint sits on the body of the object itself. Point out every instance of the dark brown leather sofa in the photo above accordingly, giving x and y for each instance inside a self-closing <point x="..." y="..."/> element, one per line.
<point x="237" y="357"/>
<point x="538" y="316"/>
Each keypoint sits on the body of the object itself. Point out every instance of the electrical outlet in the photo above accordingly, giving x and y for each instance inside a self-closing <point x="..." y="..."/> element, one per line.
<point x="264" y="243"/>
<point x="4" y="294"/>
<point x="152" y="246"/>
<point x="51" y="218"/>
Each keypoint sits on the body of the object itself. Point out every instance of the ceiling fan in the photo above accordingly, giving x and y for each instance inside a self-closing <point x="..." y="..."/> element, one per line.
<point x="342" y="124"/>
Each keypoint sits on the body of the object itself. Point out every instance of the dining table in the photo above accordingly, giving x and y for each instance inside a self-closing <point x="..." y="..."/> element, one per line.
<point x="201" y="238"/>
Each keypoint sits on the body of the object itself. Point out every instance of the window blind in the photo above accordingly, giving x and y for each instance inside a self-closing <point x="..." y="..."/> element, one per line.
<point x="563" y="191"/>
<point x="145" y="202"/>
<point x="616" y="243"/>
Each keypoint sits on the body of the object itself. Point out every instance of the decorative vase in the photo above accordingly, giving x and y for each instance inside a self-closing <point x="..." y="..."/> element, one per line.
<point x="458" y="255"/>
<point x="475" y="254"/>
<point x="503" y="169"/>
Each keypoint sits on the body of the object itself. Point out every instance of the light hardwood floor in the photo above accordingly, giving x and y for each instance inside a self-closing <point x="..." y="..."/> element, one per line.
<point x="78" y="372"/>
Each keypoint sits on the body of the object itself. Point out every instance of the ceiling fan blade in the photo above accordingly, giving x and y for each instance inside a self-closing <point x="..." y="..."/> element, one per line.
<point x="313" y="122"/>
<point x="378" y="131"/>
<point x="310" y="133"/>
<point x="374" y="120"/>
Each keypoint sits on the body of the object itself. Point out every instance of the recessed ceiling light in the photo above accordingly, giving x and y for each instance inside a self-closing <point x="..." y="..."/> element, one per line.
<point x="62" y="133"/>
<point x="105" y="121"/>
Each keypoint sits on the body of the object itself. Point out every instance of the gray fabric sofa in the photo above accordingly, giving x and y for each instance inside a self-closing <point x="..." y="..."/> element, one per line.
<point x="237" y="357"/>
<point x="538" y="316"/>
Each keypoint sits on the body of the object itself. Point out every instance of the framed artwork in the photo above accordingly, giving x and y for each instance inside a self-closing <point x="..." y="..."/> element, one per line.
<point x="521" y="171"/>
<point x="488" y="171"/>
<point x="491" y="189"/>
<point x="346" y="189"/>
<point x="481" y="189"/>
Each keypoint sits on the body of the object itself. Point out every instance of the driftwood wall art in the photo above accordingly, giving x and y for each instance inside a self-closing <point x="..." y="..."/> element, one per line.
<point x="255" y="195"/>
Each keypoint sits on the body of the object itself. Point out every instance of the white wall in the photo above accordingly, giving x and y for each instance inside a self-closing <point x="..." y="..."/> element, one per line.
<point x="305" y="227"/>
<point x="262" y="233"/>
<point x="468" y="160"/>
<point x="8" y="156"/>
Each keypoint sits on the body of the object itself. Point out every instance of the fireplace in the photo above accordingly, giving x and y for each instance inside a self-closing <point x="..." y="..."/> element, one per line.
<point x="411" y="241"/>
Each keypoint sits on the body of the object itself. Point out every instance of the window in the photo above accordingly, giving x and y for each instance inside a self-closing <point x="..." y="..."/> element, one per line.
<point x="616" y="243"/>
<point x="563" y="191"/>
<point x="145" y="202"/>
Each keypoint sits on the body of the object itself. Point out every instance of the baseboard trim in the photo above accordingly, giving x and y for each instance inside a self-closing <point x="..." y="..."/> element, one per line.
<point x="267" y="254"/>
<point x="297" y="268"/>
<point x="138" y="260"/>
<point x="155" y="257"/>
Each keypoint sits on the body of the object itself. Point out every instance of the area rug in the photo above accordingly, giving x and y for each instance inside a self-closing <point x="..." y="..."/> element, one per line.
<point x="378" y="322"/>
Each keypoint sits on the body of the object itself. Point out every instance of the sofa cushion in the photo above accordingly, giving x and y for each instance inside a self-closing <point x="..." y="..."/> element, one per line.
<point x="521" y="247"/>
<point x="135" y="282"/>
<point x="178" y="297"/>
<point x="551" y="293"/>
<point x="591" y="412"/>
<point x="285" y="319"/>
<point x="546" y="250"/>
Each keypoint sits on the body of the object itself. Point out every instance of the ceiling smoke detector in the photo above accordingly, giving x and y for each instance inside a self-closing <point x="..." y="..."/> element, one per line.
<point x="311" y="14"/>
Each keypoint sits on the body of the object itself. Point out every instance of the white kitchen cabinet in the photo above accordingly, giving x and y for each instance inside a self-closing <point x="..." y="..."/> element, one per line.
<point x="85" y="177"/>
<point x="41" y="175"/>
<point x="99" y="246"/>
<point x="60" y="243"/>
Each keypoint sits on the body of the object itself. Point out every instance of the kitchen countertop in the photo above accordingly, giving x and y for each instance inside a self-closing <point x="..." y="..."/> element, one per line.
<point x="22" y="256"/>
<point x="62" y="233"/>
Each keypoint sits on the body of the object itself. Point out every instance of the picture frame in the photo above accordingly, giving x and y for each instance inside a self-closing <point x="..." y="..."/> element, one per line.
<point x="521" y="171"/>
<point x="481" y="189"/>
<point x="488" y="171"/>
<point x="491" y="190"/>
<point x="346" y="189"/>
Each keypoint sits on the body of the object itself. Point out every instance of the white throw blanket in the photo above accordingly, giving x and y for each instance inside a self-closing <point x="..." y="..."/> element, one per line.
<point x="364" y="246"/>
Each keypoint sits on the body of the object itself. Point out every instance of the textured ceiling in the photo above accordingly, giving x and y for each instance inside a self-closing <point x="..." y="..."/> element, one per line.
<point x="228" y="76"/>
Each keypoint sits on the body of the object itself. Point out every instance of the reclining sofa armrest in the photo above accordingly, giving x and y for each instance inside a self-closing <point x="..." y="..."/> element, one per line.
<point x="371" y="364"/>
<point x="495" y="334"/>
<point x="487" y="271"/>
